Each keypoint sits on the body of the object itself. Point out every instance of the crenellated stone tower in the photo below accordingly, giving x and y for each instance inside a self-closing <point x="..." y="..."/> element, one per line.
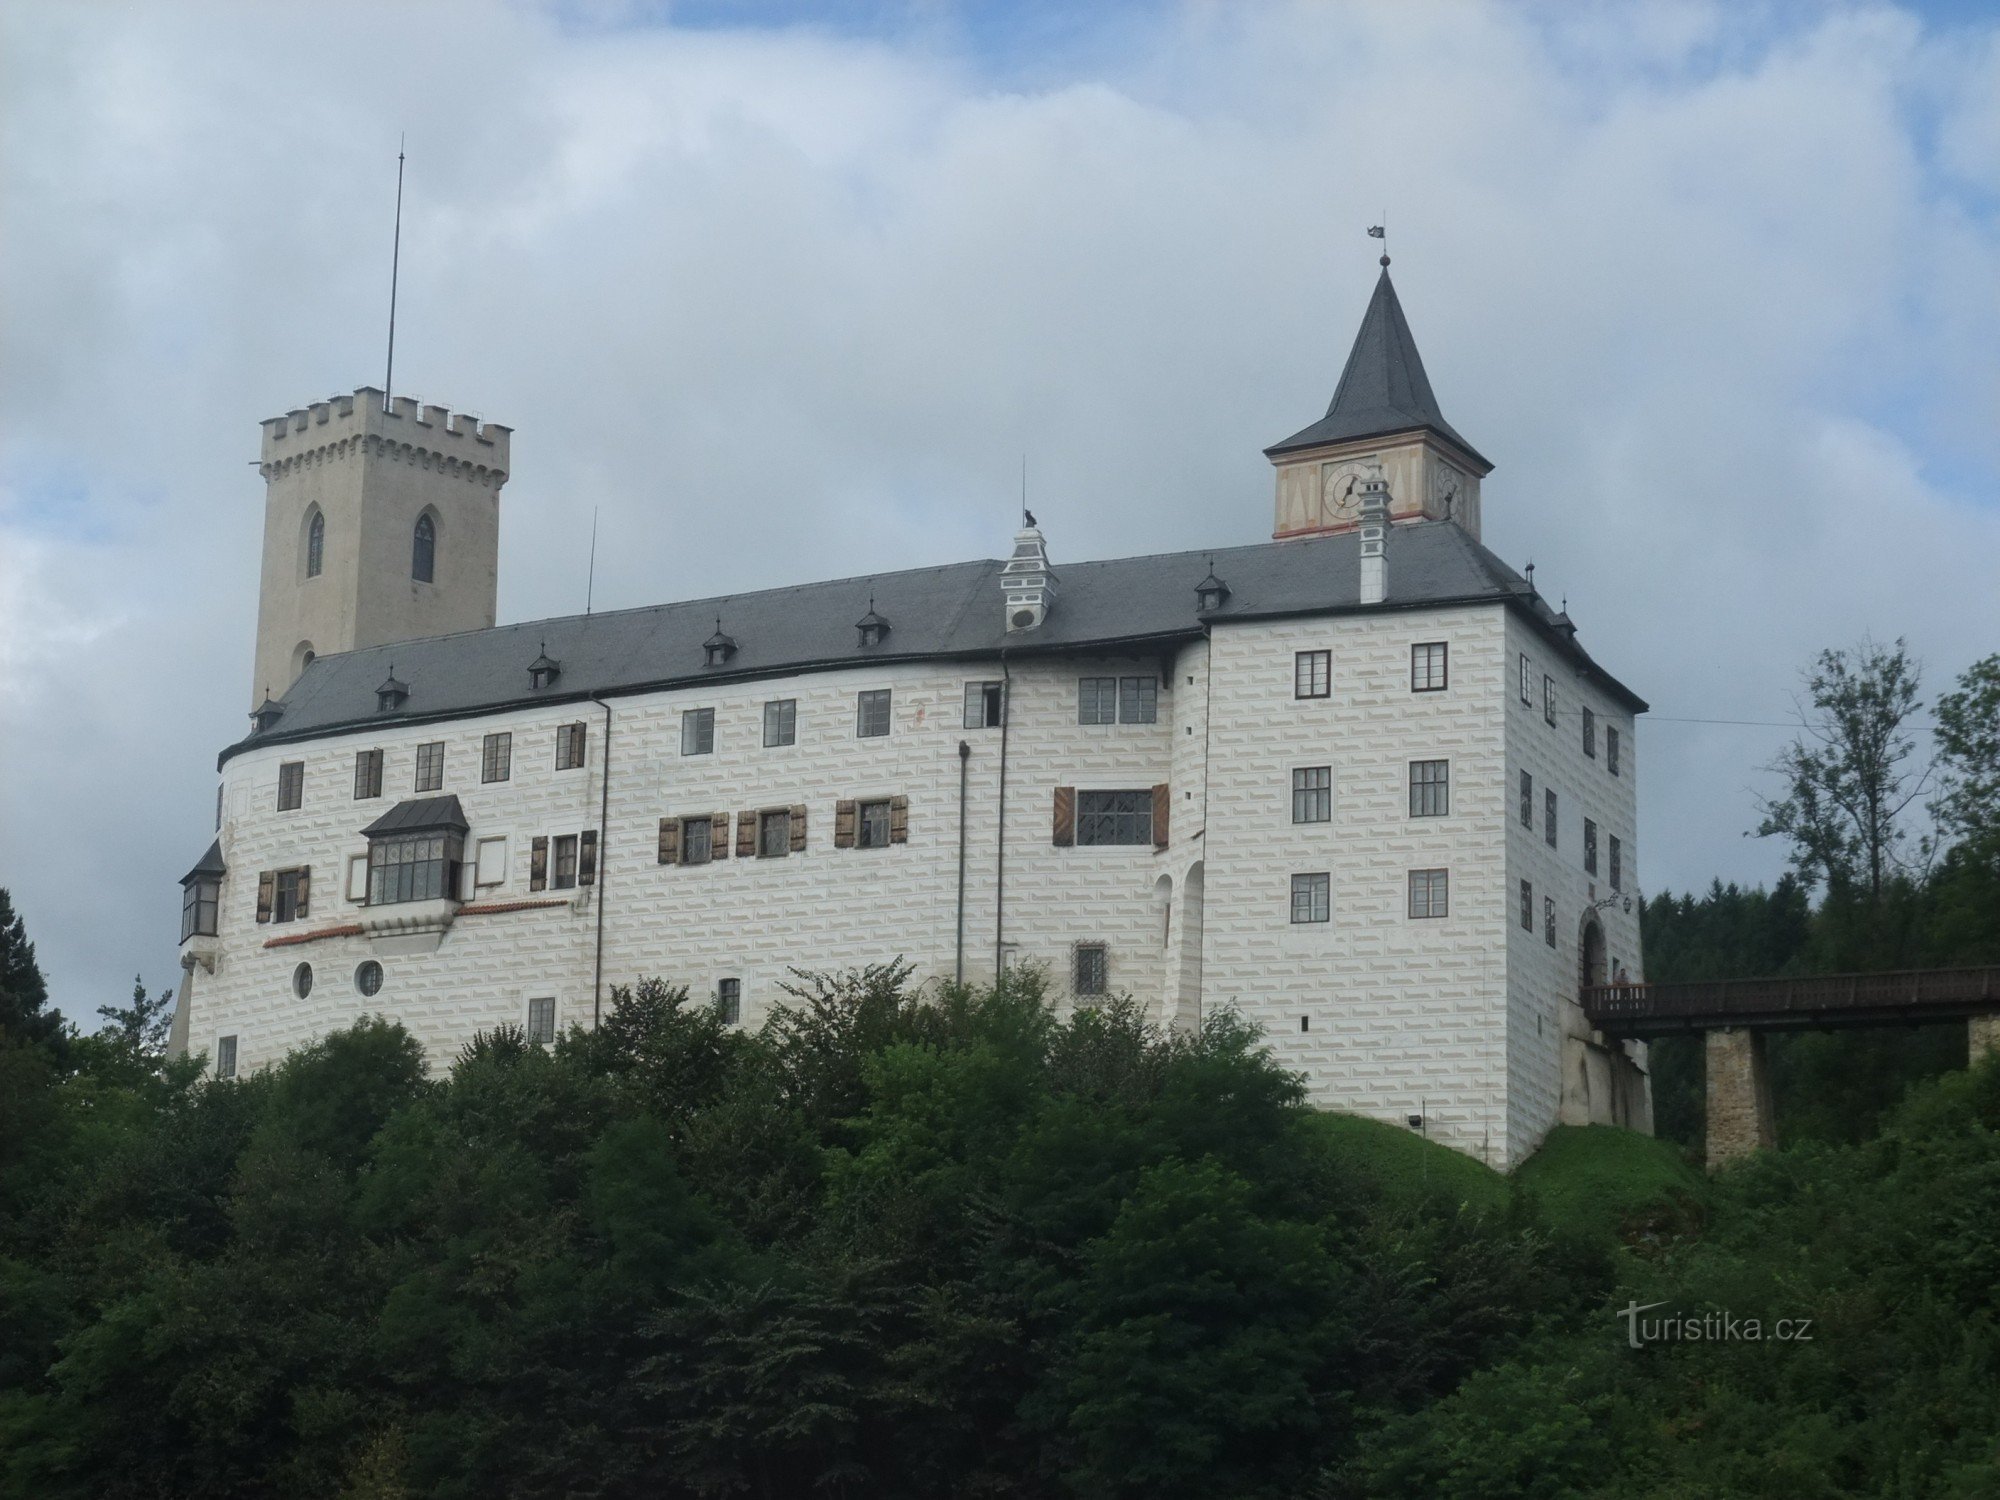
<point x="379" y="526"/>
<point x="1382" y="412"/>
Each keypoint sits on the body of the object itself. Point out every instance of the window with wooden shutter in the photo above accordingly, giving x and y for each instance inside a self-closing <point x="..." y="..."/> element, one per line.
<point x="746" y="833"/>
<point x="843" y="824"/>
<point x="538" y="864"/>
<point x="718" y="835"/>
<point x="586" y="865"/>
<point x="798" y="827"/>
<point x="1161" y="803"/>
<point x="304" y="908"/>
<point x="1065" y="825"/>
<point x="899" y="820"/>
<point x="267" y="886"/>
<point x="670" y="841"/>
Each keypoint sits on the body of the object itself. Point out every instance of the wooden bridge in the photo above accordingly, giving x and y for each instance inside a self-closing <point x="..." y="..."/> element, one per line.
<point x="1734" y="1015"/>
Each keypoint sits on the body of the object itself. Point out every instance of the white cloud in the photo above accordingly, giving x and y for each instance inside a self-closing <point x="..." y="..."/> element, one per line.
<point x="1720" y="301"/>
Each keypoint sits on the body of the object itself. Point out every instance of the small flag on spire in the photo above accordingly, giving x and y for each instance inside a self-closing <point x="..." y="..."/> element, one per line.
<point x="1377" y="232"/>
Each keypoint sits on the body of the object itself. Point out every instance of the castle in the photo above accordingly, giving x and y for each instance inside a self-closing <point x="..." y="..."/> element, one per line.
<point x="1360" y="782"/>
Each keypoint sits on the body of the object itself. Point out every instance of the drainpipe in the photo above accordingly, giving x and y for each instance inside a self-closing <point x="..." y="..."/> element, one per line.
<point x="603" y="865"/>
<point x="1000" y="856"/>
<point x="964" y="761"/>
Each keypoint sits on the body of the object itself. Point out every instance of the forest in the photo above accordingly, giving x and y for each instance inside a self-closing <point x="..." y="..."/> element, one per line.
<point x="912" y="1241"/>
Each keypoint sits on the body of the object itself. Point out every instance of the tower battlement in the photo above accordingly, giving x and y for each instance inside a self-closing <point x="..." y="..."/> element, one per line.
<point x="458" y="442"/>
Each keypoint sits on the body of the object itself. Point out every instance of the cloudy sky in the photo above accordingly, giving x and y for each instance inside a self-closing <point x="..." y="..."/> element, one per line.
<point x="1716" y="287"/>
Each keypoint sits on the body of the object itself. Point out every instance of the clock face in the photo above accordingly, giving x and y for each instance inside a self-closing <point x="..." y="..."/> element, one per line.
<point x="1447" y="492"/>
<point x="1340" y="491"/>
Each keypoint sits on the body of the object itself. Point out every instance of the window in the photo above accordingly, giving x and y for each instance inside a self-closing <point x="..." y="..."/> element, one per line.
<point x="1611" y="749"/>
<point x="871" y="825"/>
<point x="225" y="1057"/>
<point x="1312" y="898"/>
<point x="698" y="731"/>
<point x="430" y="766"/>
<point x="1430" y="893"/>
<point x="1312" y="794"/>
<point x="1549" y="817"/>
<point x="1549" y="920"/>
<point x="774" y="834"/>
<point x="1549" y="699"/>
<point x="1138" y="700"/>
<point x="416" y="866"/>
<point x="1617" y="864"/>
<point x="1097" y="700"/>
<point x="1527" y="800"/>
<point x="290" y="894"/>
<point x="1427" y="666"/>
<point x="781" y="722"/>
<point x="367" y="774"/>
<point x="1114" y="817"/>
<point x="218" y="809"/>
<point x="1430" y="788"/>
<point x="423" y="550"/>
<point x="565" y="870"/>
<point x="315" y="545"/>
<point x="569" y="746"/>
<point x="1092" y="969"/>
<point x="291" y="785"/>
<point x="496" y="757"/>
<point x="697" y="840"/>
<point x="542" y="1019"/>
<point x="1528" y="905"/>
<point x="199" y="899"/>
<point x="1589" y="846"/>
<point x="982" y="704"/>
<point x="368" y="979"/>
<point x="1312" y="674"/>
<point x="729" y="1001"/>
<point x="871" y="714"/>
<point x="1590" y="734"/>
<point x="302" y="980"/>
<point x="1527" y="678"/>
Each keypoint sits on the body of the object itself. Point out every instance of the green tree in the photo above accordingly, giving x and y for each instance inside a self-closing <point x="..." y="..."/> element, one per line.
<point x="24" y="996"/>
<point x="140" y="1028"/>
<point x="1968" y="750"/>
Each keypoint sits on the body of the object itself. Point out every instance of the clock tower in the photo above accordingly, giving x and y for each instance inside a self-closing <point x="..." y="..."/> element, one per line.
<point x="1383" y="413"/>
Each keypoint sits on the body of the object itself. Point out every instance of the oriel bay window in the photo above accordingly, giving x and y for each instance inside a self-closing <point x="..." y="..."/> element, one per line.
<point x="415" y="852"/>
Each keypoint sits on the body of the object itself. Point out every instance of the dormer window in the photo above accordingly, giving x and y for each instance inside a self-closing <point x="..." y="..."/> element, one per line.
<point x="718" y="648"/>
<point x="543" y="670"/>
<point x="266" y="715"/>
<point x="1210" y="592"/>
<point x="873" y="627"/>
<point x="390" y="695"/>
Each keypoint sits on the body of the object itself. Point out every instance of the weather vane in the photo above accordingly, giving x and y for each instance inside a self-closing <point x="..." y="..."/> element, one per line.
<point x="1381" y="232"/>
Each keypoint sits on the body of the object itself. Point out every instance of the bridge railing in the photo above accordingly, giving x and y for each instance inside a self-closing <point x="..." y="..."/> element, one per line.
<point x="1828" y="995"/>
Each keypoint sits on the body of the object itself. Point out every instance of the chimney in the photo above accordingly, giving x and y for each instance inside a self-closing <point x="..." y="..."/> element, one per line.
<point x="1027" y="584"/>
<point x="1374" y="535"/>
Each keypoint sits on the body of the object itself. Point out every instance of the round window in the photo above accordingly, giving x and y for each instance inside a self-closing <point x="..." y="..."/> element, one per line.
<point x="302" y="980"/>
<point x="368" y="978"/>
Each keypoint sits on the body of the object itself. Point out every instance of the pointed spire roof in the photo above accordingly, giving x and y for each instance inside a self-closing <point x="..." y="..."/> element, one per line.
<point x="1383" y="389"/>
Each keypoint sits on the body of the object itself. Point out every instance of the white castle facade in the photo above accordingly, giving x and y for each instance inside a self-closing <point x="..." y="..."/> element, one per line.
<point x="1360" y="782"/>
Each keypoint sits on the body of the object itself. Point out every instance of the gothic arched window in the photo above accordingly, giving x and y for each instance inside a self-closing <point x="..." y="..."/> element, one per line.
<point x="315" y="544"/>
<point x="423" y="551"/>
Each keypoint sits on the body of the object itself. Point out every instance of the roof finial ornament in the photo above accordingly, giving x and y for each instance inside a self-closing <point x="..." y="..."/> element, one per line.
<point x="1531" y="575"/>
<point x="1381" y="232"/>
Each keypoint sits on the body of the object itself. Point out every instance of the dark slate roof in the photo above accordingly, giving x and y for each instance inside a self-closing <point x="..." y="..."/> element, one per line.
<point x="419" y="814"/>
<point x="1383" y="389"/>
<point x="209" y="864"/>
<point x="949" y="612"/>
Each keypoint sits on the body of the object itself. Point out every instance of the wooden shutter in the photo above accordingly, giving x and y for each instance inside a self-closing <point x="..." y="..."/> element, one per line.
<point x="586" y="859"/>
<point x="746" y="833"/>
<point x="538" y="864"/>
<point x="1065" y="829"/>
<point x="1162" y="806"/>
<point x="843" y="824"/>
<point x="305" y="893"/>
<point x="718" y="835"/>
<point x="670" y="841"/>
<point x="267" y="890"/>
<point x="798" y="826"/>
<point x="899" y="820"/>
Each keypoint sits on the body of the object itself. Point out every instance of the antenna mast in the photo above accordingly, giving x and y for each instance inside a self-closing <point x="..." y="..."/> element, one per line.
<point x="395" y="266"/>
<point x="590" y="585"/>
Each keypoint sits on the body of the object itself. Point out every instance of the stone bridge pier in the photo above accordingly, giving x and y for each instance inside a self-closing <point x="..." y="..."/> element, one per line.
<point x="1740" y="1117"/>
